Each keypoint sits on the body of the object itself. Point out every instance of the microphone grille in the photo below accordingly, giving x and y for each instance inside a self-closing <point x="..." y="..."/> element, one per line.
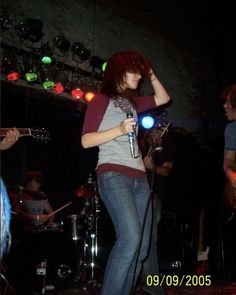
<point x="129" y="115"/>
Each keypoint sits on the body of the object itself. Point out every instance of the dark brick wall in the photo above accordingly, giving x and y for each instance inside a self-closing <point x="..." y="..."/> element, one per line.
<point x="176" y="37"/>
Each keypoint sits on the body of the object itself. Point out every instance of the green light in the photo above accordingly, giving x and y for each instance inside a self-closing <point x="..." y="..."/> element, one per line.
<point x="48" y="84"/>
<point x="30" y="77"/>
<point x="104" y="65"/>
<point x="46" y="60"/>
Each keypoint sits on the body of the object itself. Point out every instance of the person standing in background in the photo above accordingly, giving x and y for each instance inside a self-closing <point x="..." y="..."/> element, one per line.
<point x="159" y="164"/>
<point x="229" y="94"/>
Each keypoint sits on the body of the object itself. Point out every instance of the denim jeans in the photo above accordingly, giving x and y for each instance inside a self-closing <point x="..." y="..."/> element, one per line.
<point x="126" y="200"/>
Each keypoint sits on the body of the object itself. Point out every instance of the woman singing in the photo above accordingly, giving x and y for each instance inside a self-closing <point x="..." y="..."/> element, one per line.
<point x="121" y="174"/>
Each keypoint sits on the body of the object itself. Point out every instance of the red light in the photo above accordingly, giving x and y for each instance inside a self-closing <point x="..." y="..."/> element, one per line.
<point x="13" y="76"/>
<point x="58" y="88"/>
<point x="77" y="93"/>
<point x="89" y="96"/>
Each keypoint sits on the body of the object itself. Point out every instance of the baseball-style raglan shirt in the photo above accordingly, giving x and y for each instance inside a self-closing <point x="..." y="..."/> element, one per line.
<point x="104" y="113"/>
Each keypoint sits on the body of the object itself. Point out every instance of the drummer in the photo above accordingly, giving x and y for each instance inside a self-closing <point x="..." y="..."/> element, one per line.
<point x="30" y="205"/>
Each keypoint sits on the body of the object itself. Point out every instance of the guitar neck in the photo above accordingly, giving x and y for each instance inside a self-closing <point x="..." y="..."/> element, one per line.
<point x="23" y="131"/>
<point x="156" y="141"/>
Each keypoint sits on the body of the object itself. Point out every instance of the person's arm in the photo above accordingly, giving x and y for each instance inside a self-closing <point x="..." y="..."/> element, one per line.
<point x="94" y="115"/>
<point x="48" y="209"/>
<point x="230" y="166"/>
<point x="10" y="139"/>
<point x="163" y="169"/>
<point x="160" y="94"/>
<point x="28" y="216"/>
<point x="99" y="137"/>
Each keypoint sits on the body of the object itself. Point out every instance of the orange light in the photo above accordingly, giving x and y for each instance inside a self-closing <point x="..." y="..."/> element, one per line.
<point x="89" y="96"/>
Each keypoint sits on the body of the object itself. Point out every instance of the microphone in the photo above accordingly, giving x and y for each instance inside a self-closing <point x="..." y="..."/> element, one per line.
<point x="131" y="137"/>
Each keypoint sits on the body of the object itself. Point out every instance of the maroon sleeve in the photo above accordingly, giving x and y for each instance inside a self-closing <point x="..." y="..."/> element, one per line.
<point x="144" y="103"/>
<point x="94" y="113"/>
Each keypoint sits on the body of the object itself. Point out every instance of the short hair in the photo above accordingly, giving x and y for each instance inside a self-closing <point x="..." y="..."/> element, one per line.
<point x="33" y="175"/>
<point x="116" y="69"/>
<point x="229" y="93"/>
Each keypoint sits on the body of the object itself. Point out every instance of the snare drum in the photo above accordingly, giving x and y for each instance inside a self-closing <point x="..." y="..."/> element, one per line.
<point x="73" y="226"/>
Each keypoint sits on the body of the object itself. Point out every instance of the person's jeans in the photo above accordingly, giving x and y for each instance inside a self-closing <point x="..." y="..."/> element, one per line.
<point x="126" y="200"/>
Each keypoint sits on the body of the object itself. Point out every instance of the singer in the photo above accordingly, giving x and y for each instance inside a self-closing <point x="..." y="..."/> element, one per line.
<point x="121" y="177"/>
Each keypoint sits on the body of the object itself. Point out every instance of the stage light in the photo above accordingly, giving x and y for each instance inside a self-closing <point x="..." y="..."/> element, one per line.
<point x="77" y="93"/>
<point x="89" y="96"/>
<point x="104" y="65"/>
<point x="90" y="90"/>
<point x="79" y="49"/>
<point x="6" y="22"/>
<point x="10" y="67"/>
<point x="46" y="60"/>
<point x="96" y="62"/>
<point x="31" y="74"/>
<point x="61" y="82"/>
<point x="58" y="88"/>
<point x="30" y="29"/>
<point x="47" y="75"/>
<point x="46" y="54"/>
<point x="62" y="43"/>
<point x="147" y="122"/>
<point x="77" y="90"/>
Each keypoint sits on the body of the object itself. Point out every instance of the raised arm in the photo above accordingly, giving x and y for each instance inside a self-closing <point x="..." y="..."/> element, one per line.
<point x="160" y="94"/>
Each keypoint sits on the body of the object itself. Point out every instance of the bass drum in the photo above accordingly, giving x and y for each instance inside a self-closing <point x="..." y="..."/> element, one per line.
<point x="47" y="259"/>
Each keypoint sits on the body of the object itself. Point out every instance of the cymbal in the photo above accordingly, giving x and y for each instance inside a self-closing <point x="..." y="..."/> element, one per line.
<point x="86" y="190"/>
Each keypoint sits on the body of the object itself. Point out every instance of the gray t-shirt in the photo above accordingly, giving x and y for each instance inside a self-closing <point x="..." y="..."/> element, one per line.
<point x="117" y="151"/>
<point x="230" y="136"/>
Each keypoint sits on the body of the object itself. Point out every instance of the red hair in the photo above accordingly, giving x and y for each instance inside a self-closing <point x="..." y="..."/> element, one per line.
<point x="117" y="66"/>
<point x="229" y="93"/>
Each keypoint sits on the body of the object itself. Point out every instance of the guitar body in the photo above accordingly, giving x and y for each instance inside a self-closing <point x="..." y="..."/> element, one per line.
<point x="230" y="196"/>
<point x="202" y="263"/>
<point x="202" y="257"/>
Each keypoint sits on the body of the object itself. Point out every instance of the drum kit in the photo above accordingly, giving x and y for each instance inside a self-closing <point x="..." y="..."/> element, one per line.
<point x="57" y="256"/>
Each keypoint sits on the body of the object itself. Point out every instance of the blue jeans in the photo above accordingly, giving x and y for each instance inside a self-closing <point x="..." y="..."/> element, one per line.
<point x="126" y="200"/>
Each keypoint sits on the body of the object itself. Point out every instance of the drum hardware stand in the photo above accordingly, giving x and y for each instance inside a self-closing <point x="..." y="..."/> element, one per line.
<point x="89" y="261"/>
<point x="42" y="271"/>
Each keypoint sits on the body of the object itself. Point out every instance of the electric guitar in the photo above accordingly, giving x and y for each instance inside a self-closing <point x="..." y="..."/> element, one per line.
<point x="163" y="130"/>
<point x="230" y="196"/>
<point x="41" y="134"/>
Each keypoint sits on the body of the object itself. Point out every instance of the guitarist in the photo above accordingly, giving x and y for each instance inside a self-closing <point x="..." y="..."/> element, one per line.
<point x="230" y="138"/>
<point x="159" y="165"/>
<point x="230" y="172"/>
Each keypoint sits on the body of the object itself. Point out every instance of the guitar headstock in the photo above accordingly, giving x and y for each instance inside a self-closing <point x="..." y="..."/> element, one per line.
<point x="163" y="126"/>
<point x="40" y="134"/>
